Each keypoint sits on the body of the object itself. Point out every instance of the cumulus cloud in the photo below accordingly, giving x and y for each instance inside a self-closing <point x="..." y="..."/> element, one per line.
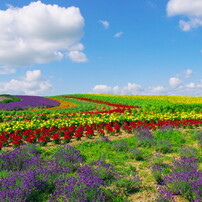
<point x="178" y="85"/>
<point x="118" y="35"/>
<point x="38" y="33"/>
<point x="104" y="23"/>
<point x="157" y="90"/>
<point x="33" y="83"/>
<point x="192" y="9"/>
<point x="75" y="53"/>
<point x="132" y="88"/>
<point x="104" y="89"/>
<point x="77" y="56"/>
<point x="6" y="70"/>
<point x="190" y="89"/>
<point x="174" y="82"/>
<point x="184" y="7"/>
<point x="191" y="85"/>
<point x="192" y="23"/>
<point x="188" y="73"/>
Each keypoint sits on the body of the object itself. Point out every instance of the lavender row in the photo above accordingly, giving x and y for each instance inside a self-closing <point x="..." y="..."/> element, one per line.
<point x="28" y="102"/>
<point x="63" y="177"/>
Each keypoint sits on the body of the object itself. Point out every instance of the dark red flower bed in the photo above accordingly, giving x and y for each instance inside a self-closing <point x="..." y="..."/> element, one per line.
<point x="65" y="134"/>
<point x="103" y="102"/>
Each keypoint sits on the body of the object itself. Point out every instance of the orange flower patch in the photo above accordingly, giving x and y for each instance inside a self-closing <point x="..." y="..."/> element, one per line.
<point x="63" y="105"/>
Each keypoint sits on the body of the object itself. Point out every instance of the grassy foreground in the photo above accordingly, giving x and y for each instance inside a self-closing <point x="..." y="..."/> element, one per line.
<point x="163" y="165"/>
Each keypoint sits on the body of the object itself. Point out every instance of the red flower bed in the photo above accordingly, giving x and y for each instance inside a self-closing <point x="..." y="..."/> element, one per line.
<point x="65" y="134"/>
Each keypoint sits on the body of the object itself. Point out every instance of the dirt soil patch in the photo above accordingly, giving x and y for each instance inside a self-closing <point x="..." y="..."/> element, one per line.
<point x="4" y="98"/>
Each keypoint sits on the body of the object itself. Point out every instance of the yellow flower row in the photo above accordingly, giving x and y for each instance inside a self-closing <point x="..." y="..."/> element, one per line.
<point x="81" y="119"/>
<point x="171" y="99"/>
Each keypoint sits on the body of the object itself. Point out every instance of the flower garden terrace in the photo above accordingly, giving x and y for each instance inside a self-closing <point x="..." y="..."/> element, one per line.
<point x="94" y="114"/>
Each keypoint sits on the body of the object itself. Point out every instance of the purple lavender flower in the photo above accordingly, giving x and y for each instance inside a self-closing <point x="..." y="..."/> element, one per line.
<point x="20" y="186"/>
<point x="68" y="156"/>
<point x="164" y="195"/>
<point x="157" y="173"/>
<point x="21" y="158"/>
<point x="185" y="164"/>
<point x="86" y="186"/>
<point x="28" y="102"/>
<point x="185" y="179"/>
<point x="105" y="139"/>
<point x="145" y="137"/>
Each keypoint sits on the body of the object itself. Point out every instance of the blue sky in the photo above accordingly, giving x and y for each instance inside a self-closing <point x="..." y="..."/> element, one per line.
<point x="87" y="46"/>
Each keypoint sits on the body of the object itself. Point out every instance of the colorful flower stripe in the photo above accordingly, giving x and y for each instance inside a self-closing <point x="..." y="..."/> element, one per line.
<point x="28" y="102"/>
<point x="168" y="98"/>
<point x="147" y="105"/>
<point x="63" y="104"/>
<point x="101" y="102"/>
<point x="84" y="119"/>
<point x="66" y="133"/>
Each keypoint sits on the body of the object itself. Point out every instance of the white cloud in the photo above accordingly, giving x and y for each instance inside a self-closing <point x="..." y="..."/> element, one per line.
<point x="188" y="73"/>
<point x="102" y="89"/>
<point x="132" y="88"/>
<point x="7" y="70"/>
<point x="190" y="89"/>
<point x="38" y="33"/>
<point x="33" y="83"/>
<point x="119" y="34"/>
<point x="77" y="56"/>
<point x="177" y="86"/>
<point x="188" y="25"/>
<point x="174" y="82"/>
<point x="77" y="47"/>
<point x="184" y="7"/>
<point x="104" y="23"/>
<point x="157" y="89"/>
<point x="191" y="85"/>
<point x="192" y="9"/>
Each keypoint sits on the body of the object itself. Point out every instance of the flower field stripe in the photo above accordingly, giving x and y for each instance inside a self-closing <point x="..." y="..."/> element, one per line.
<point x="29" y="102"/>
<point x="167" y="98"/>
<point x="63" y="104"/>
<point x="66" y="120"/>
<point x="85" y="113"/>
<point x="64" y="130"/>
<point x="157" y="104"/>
<point x="102" y="102"/>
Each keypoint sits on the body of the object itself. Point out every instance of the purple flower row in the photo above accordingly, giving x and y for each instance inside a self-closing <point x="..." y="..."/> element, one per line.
<point x="28" y="102"/>
<point x="64" y="176"/>
<point x="185" y="179"/>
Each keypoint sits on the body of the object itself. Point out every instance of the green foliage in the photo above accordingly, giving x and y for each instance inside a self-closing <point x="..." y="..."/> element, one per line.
<point x="163" y="146"/>
<point x="188" y="152"/>
<point x="3" y="174"/>
<point x="155" y="106"/>
<point x="120" y="146"/>
<point x="174" y="136"/>
<point x="136" y="154"/>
